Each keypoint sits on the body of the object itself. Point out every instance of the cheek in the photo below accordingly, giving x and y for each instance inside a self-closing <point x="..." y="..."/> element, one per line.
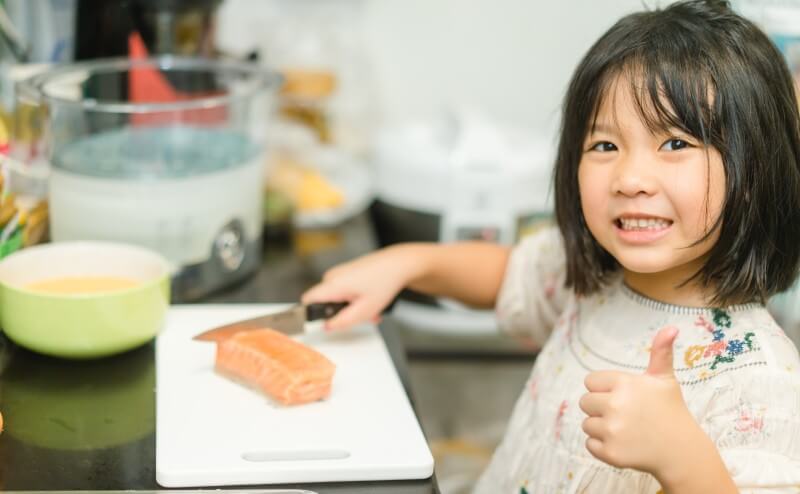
<point x="593" y="199"/>
<point x="699" y="201"/>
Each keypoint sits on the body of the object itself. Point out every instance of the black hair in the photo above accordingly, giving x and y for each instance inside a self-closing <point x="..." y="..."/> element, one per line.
<point x="699" y="67"/>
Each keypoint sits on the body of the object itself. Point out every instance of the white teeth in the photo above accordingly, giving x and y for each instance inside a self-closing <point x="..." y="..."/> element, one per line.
<point x="643" y="224"/>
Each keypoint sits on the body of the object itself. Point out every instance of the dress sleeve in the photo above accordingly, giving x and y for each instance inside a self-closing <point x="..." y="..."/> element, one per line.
<point x="757" y="431"/>
<point x="532" y="294"/>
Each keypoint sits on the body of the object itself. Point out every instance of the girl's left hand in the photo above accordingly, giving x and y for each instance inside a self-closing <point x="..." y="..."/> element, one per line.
<point x="640" y="420"/>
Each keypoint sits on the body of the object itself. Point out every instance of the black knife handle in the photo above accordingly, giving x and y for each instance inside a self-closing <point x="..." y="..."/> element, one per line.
<point x="324" y="310"/>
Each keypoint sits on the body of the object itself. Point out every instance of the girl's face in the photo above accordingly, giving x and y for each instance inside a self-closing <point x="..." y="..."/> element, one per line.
<point x="647" y="198"/>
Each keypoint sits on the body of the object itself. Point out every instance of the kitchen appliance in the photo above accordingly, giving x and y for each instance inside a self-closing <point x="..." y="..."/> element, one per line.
<point x="462" y="177"/>
<point x="289" y="321"/>
<point x="212" y="431"/>
<point x="166" y="153"/>
<point x="168" y="27"/>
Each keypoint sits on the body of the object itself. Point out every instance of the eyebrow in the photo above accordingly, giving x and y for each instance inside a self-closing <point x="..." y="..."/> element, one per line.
<point x="602" y="127"/>
<point x="614" y="130"/>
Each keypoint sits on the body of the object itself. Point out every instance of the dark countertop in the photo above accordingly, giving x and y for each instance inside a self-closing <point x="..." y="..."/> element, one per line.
<point x="90" y="425"/>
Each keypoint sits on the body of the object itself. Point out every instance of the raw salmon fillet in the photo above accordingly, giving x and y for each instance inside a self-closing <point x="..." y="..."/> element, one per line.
<point x="286" y="370"/>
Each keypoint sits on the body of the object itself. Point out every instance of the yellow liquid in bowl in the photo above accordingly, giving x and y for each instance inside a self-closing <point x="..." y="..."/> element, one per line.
<point x="82" y="285"/>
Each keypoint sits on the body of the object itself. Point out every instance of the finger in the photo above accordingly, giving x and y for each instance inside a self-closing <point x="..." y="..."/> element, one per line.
<point x="357" y="312"/>
<point x="601" y="381"/>
<point x="594" y="404"/>
<point x="661" y="352"/>
<point x="332" y="272"/>
<point x="594" y="427"/>
<point x="595" y="447"/>
<point x="325" y="292"/>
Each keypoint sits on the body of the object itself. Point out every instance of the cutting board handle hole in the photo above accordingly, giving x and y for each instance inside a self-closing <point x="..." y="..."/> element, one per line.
<point x="296" y="455"/>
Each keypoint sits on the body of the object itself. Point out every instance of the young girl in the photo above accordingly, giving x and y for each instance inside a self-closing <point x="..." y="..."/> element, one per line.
<point x="677" y="188"/>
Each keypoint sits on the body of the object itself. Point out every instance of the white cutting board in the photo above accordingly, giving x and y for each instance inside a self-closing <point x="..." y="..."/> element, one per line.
<point x="211" y="431"/>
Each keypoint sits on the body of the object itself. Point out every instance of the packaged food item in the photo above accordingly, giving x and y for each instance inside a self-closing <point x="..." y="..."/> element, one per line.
<point x="327" y="106"/>
<point x="304" y="100"/>
<point x="306" y="187"/>
<point x="24" y="212"/>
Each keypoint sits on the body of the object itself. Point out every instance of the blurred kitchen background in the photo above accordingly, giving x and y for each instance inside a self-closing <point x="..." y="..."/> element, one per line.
<point x="385" y="121"/>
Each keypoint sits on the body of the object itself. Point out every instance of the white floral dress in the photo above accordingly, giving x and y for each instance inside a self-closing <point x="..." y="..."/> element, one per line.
<point x="739" y="373"/>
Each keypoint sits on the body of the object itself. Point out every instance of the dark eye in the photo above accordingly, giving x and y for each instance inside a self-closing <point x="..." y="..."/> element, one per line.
<point x="674" y="145"/>
<point x="604" y="147"/>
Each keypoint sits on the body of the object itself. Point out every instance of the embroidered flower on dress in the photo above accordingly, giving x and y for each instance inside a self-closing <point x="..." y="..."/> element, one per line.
<point x="750" y="420"/>
<point x="721" y="318"/>
<point x="747" y="425"/>
<point x="735" y="347"/>
<point x="550" y="287"/>
<point x="693" y="354"/>
<point x="721" y="350"/>
<point x="703" y="323"/>
<point x="715" y="348"/>
<point x="719" y="359"/>
<point x="534" y="388"/>
<point x="562" y="410"/>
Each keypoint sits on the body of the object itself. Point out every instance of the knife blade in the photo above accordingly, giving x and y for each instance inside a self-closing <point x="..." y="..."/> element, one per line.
<point x="290" y="321"/>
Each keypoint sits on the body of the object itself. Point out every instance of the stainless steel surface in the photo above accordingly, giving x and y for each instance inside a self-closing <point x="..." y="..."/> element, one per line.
<point x="229" y="246"/>
<point x="195" y="281"/>
<point x="290" y="321"/>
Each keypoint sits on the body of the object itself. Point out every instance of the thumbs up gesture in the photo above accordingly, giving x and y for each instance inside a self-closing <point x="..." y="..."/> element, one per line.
<point x="661" y="353"/>
<point x="639" y="420"/>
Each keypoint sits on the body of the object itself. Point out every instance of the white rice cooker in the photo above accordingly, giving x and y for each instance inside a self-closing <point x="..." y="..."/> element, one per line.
<point x="459" y="178"/>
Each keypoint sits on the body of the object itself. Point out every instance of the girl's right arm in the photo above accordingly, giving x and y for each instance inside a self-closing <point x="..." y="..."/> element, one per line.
<point x="470" y="272"/>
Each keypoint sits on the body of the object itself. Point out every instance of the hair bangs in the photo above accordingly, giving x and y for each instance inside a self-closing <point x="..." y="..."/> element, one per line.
<point x="667" y="95"/>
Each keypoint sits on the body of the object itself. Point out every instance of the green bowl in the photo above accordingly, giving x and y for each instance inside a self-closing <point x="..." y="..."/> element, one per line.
<point x="83" y="325"/>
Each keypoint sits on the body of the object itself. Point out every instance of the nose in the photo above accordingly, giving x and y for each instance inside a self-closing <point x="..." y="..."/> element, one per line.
<point x="633" y="176"/>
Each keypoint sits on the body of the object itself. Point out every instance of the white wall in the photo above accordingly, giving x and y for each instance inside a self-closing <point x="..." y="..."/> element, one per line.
<point x="510" y="59"/>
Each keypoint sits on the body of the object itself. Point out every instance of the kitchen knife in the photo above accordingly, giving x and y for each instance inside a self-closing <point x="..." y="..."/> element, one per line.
<point x="291" y="321"/>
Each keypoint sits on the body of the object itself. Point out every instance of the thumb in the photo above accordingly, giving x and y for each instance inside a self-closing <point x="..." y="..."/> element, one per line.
<point x="661" y="352"/>
<point x="325" y="292"/>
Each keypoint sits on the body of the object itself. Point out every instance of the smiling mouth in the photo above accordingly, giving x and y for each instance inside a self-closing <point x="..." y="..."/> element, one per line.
<point x="642" y="224"/>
